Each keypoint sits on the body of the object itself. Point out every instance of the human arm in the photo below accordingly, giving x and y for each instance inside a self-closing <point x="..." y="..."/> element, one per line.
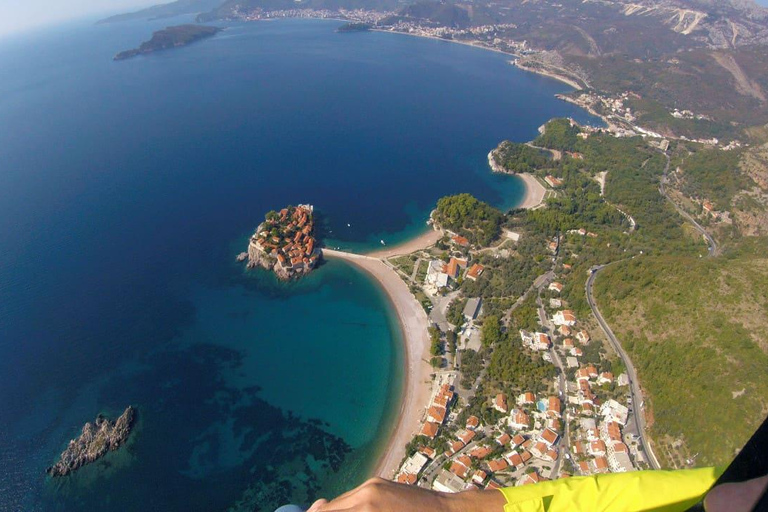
<point x="378" y="495"/>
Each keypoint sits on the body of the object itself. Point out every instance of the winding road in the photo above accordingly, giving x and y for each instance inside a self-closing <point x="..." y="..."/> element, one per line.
<point x="637" y="419"/>
<point x="712" y="245"/>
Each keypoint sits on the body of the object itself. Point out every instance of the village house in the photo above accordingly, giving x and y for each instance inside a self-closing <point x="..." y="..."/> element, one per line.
<point x="565" y="317"/>
<point x="529" y="478"/>
<point x="553" y="182"/>
<point x="614" y="411"/>
<point x="583" y="337"/>
<point x="553" y="407"/>
<point x="460" y="241"/>
<point x="541" y="341"/>
<point x="605" y="378"/>
<point x="429" y="429"/>
<point x="475" y="271"/>
<point x="555" y="287"/>
<point x="549" y="437"/>
<point x="414" y="464"/>
<point x="519" y="420"/>
<point x="479" y="477"/>
<point x="500" y="403"/>
<point x="460" y="466"/>
<point x="480" y="452"/>
<point x="526" y="398"/>
<point x="497" y="465"/>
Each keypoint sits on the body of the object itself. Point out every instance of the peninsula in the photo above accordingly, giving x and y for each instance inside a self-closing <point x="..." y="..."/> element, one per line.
<point x="285" y="243"/>
<point x="171" y="37"/>
<point x="95" y="441"/>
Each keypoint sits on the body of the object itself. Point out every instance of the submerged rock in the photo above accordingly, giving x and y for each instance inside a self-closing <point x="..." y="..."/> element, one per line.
<point x="96" y="440"/>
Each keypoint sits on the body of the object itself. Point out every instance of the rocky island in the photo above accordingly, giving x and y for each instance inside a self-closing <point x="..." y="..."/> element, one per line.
<point x="96" y="440"/>
<point x="171" y="37"/>
<point x="285" y="243"/>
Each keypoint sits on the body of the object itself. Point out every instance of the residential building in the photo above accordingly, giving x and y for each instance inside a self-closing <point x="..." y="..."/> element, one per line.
<point x="414" y="464"/>
<point x="448" y="482"/>
<point x="475" y="271"/>
<point x="519" y="420"/>
<point x="500" y="403"/>
<point x="565" y="317"/>
<point x="555" y="287"/>
<point x="614" y="411"/>
<point x="472" y="309"/>
<point x="526" y="398"/>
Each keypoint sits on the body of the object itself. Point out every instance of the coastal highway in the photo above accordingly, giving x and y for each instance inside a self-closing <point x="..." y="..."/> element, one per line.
<point x="636" y="419"/>
<point x="712" y="245"/>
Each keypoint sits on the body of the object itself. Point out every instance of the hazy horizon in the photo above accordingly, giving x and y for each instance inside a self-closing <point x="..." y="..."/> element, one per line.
<point x="22" y="16"/>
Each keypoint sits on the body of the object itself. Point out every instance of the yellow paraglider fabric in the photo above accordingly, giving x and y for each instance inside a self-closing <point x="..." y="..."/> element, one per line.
<point x="656" y="491"/>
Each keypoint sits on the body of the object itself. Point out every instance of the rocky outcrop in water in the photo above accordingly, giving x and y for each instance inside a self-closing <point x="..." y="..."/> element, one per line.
<point x="96" y="440"/>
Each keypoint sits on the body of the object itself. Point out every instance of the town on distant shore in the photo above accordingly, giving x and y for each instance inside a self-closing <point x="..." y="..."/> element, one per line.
<point x="285" y="243"/>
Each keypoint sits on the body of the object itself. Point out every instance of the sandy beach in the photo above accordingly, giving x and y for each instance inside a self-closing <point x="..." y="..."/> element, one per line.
<point x="417" y="386"/>
<point x="534" y="191"/>
<point x="428" y="239"/>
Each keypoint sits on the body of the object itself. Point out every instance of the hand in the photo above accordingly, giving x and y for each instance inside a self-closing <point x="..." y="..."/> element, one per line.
<point x="378" y="495"/>
<point x="736" y="497"/>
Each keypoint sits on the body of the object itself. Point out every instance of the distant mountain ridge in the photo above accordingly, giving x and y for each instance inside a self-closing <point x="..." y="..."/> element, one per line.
<point x="169" y="10"/>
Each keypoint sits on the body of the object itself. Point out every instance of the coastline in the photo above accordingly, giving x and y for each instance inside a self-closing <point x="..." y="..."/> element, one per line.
<point x="543" y="72"/>
<point x="534" y="190"/>
<point x="413" y="322"/>
<point x="426" y="239"/>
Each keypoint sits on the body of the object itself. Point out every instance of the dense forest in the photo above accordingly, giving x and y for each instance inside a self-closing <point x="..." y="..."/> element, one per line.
<point x="479" y="222"/>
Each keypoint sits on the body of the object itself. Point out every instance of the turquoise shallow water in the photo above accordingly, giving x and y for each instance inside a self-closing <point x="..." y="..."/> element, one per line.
<point x="127" y="189"/>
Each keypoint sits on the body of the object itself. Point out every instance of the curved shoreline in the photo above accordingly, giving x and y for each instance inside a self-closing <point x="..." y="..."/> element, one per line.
<point x="413" y="322"/>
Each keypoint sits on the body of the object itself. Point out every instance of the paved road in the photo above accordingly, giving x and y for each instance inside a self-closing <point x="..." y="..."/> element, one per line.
<point x="712" y="250"/>
<point x="566" y="436"/>
<point x="636" y="415"/>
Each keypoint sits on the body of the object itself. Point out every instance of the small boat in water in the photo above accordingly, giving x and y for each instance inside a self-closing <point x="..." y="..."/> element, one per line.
<point x="382" y="242"/>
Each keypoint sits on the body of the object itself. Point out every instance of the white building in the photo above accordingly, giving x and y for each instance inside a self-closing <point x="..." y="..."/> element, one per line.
<point x="565" y="317"/>
<point x="448" y="482"/>
<point x="614" y="411"/>
<point x="414" y="464"/>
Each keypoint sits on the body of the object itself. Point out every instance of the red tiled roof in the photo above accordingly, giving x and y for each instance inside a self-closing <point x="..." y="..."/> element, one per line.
<point x="497" y="465"/>
<point x="475" y="271"/>
<point x="549" y="435"/>
<point x="459" y="469"/>
<point x="429" y="429"/>
<point x="436" y="413"/>
<point x="480" y="452"/>
<point x="460" y="240"/>
<point x="467" y="436"/>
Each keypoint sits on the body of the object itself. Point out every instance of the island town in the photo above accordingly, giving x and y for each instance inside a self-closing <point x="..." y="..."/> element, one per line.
<point x="285" y="243"/>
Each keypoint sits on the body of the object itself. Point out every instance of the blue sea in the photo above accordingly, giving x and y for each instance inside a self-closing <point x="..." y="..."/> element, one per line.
<point x="128" y="188"/>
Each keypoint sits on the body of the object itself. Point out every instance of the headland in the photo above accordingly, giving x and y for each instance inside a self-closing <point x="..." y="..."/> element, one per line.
<point x="171" y="37"/>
